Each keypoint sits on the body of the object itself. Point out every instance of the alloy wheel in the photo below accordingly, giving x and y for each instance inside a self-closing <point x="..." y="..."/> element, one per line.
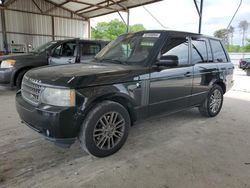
<point x="215" y="101"/>
<point x="109" y="130"/>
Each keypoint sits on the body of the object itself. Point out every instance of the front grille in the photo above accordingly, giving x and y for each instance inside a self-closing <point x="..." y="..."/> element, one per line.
<point x="31" y="90"/>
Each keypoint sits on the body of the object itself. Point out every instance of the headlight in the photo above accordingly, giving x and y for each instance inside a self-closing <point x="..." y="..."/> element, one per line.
<point x="58" y="97"/>
<point x="9" y="63"/>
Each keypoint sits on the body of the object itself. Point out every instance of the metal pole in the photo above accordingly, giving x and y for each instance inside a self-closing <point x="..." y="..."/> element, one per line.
<point x="5" y="41"/>
<point x="128" y="21"/>
<point x="200" y="14"/>
<point x="53" y="27"/>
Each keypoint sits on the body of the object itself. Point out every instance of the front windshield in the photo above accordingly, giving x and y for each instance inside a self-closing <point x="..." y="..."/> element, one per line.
<point x="44" y="47"/>
<point x="129" y="49"/>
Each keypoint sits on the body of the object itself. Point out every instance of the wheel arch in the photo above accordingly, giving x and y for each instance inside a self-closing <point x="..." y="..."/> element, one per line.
<point x="220" y="83"/>
<point x="120" y="98"/>
<point x="17" y="72"/>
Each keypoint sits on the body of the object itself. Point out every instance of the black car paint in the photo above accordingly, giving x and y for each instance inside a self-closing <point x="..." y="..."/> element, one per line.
<point x="31" y="60"/>
<point x="144" y="90"/>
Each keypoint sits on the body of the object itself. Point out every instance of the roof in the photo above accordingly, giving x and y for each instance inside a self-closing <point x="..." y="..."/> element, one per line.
<point x="94" y="8"/>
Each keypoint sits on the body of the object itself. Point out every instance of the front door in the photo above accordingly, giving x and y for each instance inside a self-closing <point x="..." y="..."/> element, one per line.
<point x="171" y="87"/>
<point x="65" y="53"/>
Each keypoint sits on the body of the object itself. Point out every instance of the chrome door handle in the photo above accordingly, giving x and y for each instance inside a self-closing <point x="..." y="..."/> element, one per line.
<point x="187" y="74"/>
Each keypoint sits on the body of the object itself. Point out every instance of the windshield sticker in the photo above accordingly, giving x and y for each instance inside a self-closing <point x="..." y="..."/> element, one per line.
<point x="151" y="35"/>
<point x="147" y="44"/>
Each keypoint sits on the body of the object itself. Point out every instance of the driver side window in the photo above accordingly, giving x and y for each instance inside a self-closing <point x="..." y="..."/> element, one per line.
<point x="176" y="49"/>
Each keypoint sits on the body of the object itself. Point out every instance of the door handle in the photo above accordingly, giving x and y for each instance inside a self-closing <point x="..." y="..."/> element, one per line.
<point x="70" y="60"/>
<point x="187" y="74"/>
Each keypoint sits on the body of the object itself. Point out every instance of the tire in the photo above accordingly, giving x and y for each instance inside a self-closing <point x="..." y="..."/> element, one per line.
<point x="97" y="136"/>
<point x="214" y="96"/>
<point x="20" y="78"/>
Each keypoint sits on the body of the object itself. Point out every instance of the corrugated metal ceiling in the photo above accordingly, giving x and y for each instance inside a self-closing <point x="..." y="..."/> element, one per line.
<point x="94" y="8"/>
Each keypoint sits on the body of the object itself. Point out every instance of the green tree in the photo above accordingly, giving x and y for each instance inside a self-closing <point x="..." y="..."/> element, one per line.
<point x="223" y="34"/>
<point x="243" y="26"/>
<point x="111" y="30"/>
<point x="247" y="46"/>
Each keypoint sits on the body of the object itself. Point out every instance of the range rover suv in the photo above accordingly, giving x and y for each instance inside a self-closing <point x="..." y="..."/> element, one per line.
<point x="136" y="76"/>
<point x="13" y="67"/>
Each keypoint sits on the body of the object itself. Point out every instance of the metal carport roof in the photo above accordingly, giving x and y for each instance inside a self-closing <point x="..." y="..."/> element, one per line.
<point x="89" y="9"/>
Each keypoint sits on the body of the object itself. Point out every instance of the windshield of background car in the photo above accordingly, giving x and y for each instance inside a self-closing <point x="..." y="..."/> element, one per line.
<point x="129" y="49"/>
<point x="44" y="47"/>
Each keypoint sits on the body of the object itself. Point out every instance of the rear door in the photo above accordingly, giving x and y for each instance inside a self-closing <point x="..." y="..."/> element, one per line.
<point x="88" y="50"/>
<point x="65" y="53"/>
<point x="205" y="69"/>
<point x="170" y="87"/>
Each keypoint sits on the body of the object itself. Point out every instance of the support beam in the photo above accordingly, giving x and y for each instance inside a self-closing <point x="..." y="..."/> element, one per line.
<point x="128" y="17"/>
<point x="54" y="7"/>
<point x="110" y="4"/>
<point x="8" y="3"/>
<point x="117" y="3"/>
<point x="89" y="30"/>
<point x="200" y="20"/>
<point x="199" y="11"/>
<point x="53" y="27"/>
<point x="93" y="5"/>
<point x="5" y="40"/>
<point x="37" y="6"/>
<point x="51" y="2"/>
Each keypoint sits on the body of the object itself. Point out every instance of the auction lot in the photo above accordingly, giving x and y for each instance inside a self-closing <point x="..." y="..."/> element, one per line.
<point x="180" y="150"/>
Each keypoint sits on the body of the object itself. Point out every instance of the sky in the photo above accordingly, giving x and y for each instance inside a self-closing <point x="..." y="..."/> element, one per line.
<point x="182" y="15"/>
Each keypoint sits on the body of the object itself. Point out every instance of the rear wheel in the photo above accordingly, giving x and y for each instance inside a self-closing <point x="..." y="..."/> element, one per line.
<point x="213" y="103"/>
<point x="105" y="129"/>
<point x="20" y="78"/>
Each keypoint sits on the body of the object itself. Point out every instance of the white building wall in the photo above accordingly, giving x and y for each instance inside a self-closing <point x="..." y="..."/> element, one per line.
<point x="71" y="28"/>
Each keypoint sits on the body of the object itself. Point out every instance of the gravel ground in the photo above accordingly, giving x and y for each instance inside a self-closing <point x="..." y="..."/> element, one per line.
<point x="180" y="150"/>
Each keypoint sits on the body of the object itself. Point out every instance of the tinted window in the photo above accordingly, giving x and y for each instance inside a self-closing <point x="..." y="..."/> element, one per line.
<point x="199" y="51"/>
<point x="219" y="54"/>
<point x="131" y="49"/>
<point x="89" y="49"/>
<point x="176" y="48"/>
<point x="65" y="50"/>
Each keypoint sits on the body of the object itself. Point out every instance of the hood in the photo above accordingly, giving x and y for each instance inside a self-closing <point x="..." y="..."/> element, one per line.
<point x="22" y="58"/>
<point x="85" y="75"/>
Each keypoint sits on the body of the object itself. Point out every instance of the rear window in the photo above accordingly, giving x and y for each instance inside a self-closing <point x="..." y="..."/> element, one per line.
<point x="218" y="51"/>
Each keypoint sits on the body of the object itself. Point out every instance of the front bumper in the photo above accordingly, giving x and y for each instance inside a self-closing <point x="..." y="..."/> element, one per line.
<point x="58" y="124"/>
<point x="5" y="76"/>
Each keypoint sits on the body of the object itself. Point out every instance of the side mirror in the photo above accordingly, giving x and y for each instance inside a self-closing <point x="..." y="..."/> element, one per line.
<point x="168" y="61"/>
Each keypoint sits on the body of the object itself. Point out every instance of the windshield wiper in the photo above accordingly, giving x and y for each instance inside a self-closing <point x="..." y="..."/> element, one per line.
<point x="113" y="61"/>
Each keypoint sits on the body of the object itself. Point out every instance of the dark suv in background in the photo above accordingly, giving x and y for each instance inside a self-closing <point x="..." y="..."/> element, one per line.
<point x="13" y="67"/>
<point x="134" y="77"/>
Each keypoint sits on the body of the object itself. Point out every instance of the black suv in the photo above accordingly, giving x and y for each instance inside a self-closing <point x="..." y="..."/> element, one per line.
<point x="13" y="67"/>
<point x="136" y="76"/>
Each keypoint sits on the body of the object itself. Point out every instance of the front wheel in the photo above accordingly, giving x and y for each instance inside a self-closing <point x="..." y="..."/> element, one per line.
<point x="105" y="129"/>
<point x="20" y="78"/>
<point x="213" y="103"/>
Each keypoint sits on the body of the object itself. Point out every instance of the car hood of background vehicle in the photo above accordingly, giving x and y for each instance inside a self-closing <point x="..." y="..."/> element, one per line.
<point x="21" y="58"/>
<point x="85" y="75"/>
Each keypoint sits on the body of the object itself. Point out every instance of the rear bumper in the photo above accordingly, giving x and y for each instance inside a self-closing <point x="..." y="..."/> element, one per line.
<point x="57" y="124"/>
<point x="5" y="76"/>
